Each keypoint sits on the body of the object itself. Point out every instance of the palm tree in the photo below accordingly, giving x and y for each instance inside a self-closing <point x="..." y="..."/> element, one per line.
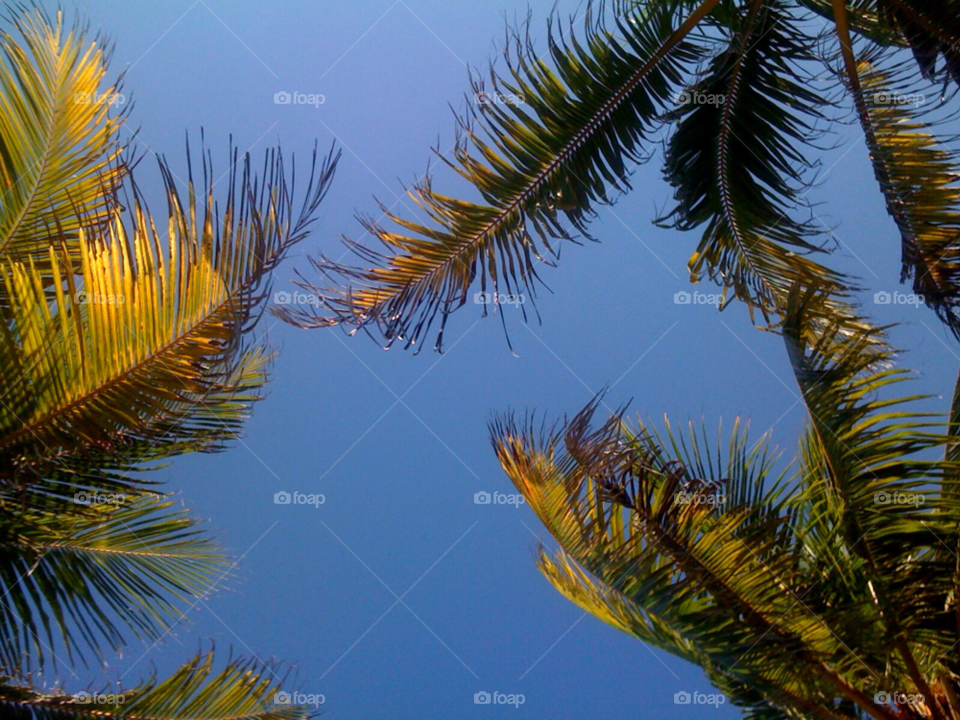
<point x="121" y="345"/>
<point x="827" y="588"/>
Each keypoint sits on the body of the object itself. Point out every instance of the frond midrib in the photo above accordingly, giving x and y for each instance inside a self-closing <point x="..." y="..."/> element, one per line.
<point x="100" y="389"/>
<point x="723" y="148"/>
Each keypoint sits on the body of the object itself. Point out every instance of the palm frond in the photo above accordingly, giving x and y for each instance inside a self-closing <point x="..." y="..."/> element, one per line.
<point x="247" y="689"/>
<point x="541" y="164"/>
<point x="723" y="571"/>
<point x="74" y="577"/>
<point x="914" y="165"/>
<point x="59" y="127"/>
<point x="869" y="488"/>
<point x="737" y="160"/>
<point x="149" y="355"/>
<point x="931" y="28"/>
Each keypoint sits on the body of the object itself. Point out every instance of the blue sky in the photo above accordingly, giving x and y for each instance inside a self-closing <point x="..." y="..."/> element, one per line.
<point x="399" y="596"/>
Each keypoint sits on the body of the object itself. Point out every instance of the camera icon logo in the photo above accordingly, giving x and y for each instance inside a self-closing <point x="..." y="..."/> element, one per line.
<point x="481" y="498"/>
<point x="281" y="498"/>
<point x="282" y="98"/>
<point x="282" y="297"/>
<point x="881" y="298"/>
<point x="81" y="298"/>
<point x="683" y="98"/>
<point x="81" y="498"/>
<point x="682" y="298"/>
<point x="881" y="498"/>
<point x="681" y="698"/>
<point x="82" y="698"/>
<point x="881" y="698"/>
<point x="281" y="698"/>
<point x="481" y="698"/>
<point x="482" y="298"/>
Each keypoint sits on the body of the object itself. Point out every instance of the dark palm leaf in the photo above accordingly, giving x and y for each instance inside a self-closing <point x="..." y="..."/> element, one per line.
<point x="541" y="167"/>
<point x="737" y="159"/>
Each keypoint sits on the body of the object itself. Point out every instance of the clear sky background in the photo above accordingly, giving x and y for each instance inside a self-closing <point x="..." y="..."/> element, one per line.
<point x="399" y="597"/>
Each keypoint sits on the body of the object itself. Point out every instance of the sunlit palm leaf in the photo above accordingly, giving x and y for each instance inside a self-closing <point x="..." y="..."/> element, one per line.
<point x="867" y="482"/>
<point x="246" y="689"/>
<point x="724" y="574"/>
<point x="150" y="353"/>
<point x="59" y="130"/>
<point x="918" y="174"/>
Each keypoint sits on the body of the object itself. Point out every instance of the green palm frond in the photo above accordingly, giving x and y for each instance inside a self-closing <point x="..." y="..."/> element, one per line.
<point x="247" y="689"/>
<point x="917" y="172"/>
<point x="869" y="488"/>
<point x="541" y="167"/>
<point x="59" y="145"/>
<point x="737" y="159"/>
<point x="723" y="573"/>
<point x="148" y="357"/>
<point x="73" y="578"/>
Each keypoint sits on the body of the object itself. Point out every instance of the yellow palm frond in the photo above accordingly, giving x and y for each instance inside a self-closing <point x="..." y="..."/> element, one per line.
<point x="59" y="144"/>
<point x="148" y="352"/>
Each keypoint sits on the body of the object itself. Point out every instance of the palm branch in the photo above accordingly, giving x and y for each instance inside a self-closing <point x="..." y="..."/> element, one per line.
<point x="148" y="356"/>
<point x="59" y="135"/>
<point x="247" y="689"/>
<point x="72" y="577"/>
<point x="801" y="593"/>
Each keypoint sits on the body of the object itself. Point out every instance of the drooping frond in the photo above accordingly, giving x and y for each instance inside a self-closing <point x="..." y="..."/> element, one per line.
<point x="869" y="486"/>
<point x="738" y="160"/>
<point x="75" y="578"/>
<point x="694" y="553"/>
<point x="548" y="144"/>
<point x="246" y="689"/>
<point x="147" y="357"/>
<point x="59" y="127"/>
<point x="917" y="171"/>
